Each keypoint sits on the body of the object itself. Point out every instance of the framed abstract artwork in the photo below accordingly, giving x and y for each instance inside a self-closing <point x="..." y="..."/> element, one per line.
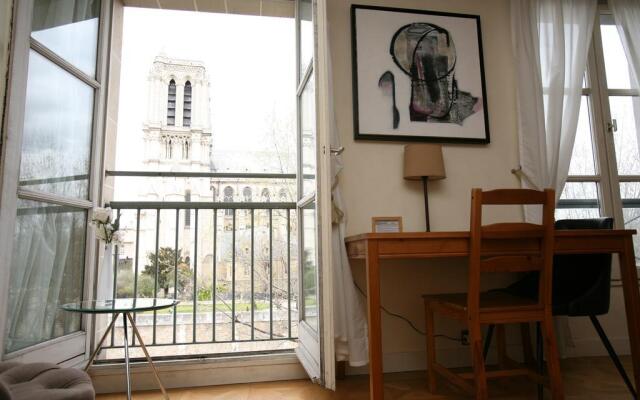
<point x="418" y="76"/>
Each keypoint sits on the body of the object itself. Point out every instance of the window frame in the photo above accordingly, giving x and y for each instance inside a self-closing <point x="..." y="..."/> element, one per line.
<point x="606" y="177"/>
<point x="74" y="346"/>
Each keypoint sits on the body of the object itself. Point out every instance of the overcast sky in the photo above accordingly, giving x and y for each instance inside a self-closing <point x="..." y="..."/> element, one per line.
<point x="250" y="62"/>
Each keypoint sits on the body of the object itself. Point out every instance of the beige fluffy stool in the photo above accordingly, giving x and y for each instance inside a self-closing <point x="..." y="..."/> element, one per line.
<point x="43" y="381"/>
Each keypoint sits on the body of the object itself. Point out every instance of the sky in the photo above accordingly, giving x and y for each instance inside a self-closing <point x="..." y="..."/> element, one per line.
<point x="250" y="62"/>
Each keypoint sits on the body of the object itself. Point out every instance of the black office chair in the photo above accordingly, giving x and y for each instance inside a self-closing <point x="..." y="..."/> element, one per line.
<point x="581" y="288"/>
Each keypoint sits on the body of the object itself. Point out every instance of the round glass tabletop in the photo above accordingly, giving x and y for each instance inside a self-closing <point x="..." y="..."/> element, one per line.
<point x="119" y="305"/>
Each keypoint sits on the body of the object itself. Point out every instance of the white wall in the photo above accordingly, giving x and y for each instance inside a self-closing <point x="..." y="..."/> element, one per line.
<point x="373" y="185"/>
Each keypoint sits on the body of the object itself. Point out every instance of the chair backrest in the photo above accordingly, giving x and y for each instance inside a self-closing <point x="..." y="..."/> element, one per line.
<point x="582" y="282"/>
<point x="511" y="246"/>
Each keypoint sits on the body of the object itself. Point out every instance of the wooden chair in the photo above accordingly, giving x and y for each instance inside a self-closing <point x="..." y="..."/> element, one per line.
<point x="502" y="247"/>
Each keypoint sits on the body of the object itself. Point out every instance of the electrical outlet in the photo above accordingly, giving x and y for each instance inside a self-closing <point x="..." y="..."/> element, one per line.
<point x="464" y="337"/>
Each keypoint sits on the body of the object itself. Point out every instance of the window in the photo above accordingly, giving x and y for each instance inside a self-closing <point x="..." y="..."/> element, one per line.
<point x="604" y="174"/>
<point x="228" y="198"/>
<point x="283" y="195"/>
<point x="266" y="196"/>
<point x="48" y="188"/>
<point x="168" y="148"/>
<point x="171" y="104"/>
<point x="186" y="114"/>
<point x="187" y="212"/>
<point x="246" y="193"/>
<point x="185" y="149"/>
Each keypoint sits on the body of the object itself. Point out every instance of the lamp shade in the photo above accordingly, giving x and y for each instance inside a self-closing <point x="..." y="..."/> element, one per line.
<point x="423" y="160"/>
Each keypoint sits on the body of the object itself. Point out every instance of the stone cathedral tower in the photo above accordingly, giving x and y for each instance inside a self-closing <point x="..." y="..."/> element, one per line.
<point x="177" y="137"/>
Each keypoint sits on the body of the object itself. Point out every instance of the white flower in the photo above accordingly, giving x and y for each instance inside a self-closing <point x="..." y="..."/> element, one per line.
<point x="101" y="215"/>
<point x="101" y="232"/>
<point x="116" y="237"/>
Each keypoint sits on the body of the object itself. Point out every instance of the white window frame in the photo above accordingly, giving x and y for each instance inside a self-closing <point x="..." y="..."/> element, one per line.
<point x="606" y="177"/>
<point x="75" y="346"/>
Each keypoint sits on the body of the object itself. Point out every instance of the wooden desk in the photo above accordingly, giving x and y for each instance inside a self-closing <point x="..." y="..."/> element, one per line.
<point x="373" y="247"/>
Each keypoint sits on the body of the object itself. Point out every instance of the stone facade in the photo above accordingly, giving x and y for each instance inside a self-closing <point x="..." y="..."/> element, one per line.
<point x="178" y="138"/>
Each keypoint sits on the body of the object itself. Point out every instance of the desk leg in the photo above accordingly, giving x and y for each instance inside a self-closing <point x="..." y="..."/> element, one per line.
<point x="629" y="276"/>
<point x="146" y="353"/>
<point x="376" y="387"/>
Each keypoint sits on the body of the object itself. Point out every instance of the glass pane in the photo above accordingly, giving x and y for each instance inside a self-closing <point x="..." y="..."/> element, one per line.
<point x="615" y="60"/>
<point x="630" y="194"/>
<point x="625" y="112"/>
<point x="578" y="200"/>
<point x="58" y="119"/>
<point x="582" y="159"/>
<point x="70" y="29"/>
<point x="47" y="270"/>
<point x="308" y="128"/>
<point x="309" y="267"/>
<point x="306" y="35"/>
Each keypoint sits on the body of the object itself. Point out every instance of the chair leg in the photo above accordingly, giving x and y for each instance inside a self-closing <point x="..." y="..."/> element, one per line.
<point x="480" y="376"/>
<point x="612" y="354"/>
<point x="553" y="360"/>
<point x="539" y="359"/>
<point x="431" y="349"/>
<point x="527" y="351"/>
<point x="487" y="342"/>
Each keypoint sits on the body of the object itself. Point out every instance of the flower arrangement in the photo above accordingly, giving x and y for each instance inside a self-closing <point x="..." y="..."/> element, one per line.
<point x="106" y="229"/>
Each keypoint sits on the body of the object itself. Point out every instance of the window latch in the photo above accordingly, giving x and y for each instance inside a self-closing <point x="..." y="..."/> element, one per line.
<point x="338" y="151"/>
<point x="612" y="126"/>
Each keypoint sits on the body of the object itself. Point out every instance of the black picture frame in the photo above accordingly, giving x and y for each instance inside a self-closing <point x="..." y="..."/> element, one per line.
<point x="478" y="134"/>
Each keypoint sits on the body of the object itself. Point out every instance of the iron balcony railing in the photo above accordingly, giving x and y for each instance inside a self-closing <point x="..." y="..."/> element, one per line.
<point x="233" y="266"/>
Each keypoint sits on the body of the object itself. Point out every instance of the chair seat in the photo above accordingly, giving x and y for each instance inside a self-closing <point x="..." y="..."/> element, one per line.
<point x="43" y="381"/>
<point x="491" y="303"/>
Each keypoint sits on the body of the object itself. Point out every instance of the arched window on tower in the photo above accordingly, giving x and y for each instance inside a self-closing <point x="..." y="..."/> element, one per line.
<point x="186" y="114"/>
<point x="283" y="195"/>
<point x="171" y="104"/>
<point x="266" y="196"/>
<point x="246" y="193"/>
<point x="228" y="198"/>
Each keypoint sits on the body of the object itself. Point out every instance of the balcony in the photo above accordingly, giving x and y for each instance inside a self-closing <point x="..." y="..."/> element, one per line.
<point x="232" y="264"/>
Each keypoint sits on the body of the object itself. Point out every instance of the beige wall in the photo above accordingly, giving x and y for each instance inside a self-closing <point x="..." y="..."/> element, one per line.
<point x="372" y="180"/>
<point x="5" y="32"/>
<point x="372" y="184"/>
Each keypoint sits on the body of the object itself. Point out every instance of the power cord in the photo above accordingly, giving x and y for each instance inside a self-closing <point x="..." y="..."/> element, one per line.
<point x="405" y="319"/>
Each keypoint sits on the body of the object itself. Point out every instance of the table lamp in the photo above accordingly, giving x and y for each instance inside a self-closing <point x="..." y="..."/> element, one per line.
<point x="424" y="162"/>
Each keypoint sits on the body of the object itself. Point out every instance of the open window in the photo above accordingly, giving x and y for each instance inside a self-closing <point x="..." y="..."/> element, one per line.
<point x="51" y="176"/>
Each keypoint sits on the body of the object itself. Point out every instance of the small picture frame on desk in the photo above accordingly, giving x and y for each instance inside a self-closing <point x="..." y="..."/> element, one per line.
<point x="386" y="224"/>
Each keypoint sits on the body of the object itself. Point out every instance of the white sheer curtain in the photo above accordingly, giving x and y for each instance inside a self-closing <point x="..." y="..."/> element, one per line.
<point x="627" y="16"/>
<point x="350" y="321"/>
<point x="48" y="262"/>
<point x="550" y="42"/>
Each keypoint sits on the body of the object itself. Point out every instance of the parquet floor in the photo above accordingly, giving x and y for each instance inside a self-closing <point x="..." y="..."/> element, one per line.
<point x="584" y="378"/>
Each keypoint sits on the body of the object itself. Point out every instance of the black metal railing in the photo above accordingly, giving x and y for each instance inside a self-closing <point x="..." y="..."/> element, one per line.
<point x="233" y="266"/>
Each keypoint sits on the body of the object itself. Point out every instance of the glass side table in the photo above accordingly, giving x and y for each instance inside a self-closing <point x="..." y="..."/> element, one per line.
<point x="124" y="307"/>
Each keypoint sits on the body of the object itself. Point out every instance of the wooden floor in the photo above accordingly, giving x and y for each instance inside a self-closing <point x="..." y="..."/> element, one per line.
<point x="584" y="378"/>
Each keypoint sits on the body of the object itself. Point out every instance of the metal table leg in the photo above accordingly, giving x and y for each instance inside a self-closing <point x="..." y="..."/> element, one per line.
<point x="126" y="356"/>
<point x="99" y="346"/>
<point x="146" y="353"/>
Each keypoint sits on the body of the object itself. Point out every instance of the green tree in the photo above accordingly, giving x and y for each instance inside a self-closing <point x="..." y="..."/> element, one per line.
<point x="145" y="285"/>
<point x="166" y="261"/>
